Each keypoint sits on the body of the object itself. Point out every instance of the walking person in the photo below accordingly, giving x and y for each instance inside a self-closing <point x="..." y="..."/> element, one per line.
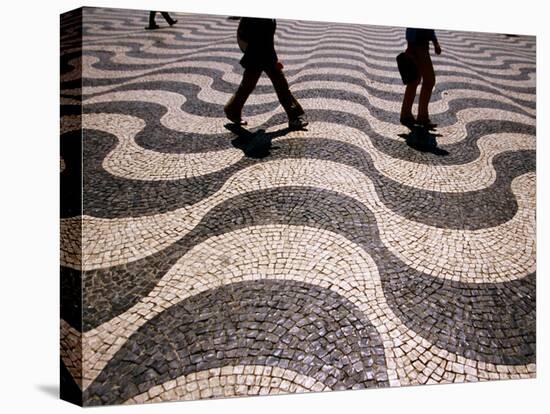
<point x="418" y="48"/>
<point x="153" y="25"/>
<point x="256" y="39"/>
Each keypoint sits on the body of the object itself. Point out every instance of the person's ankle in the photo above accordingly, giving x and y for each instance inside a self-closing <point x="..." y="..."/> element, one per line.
<point x="296" y="123"/>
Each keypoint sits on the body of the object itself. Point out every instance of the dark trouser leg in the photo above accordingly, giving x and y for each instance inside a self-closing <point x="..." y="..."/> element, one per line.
<point x="167" y="17"/>
<point x="292" y="108"/>
<point x="152" y="18"/>
<point x="233" y="108"/>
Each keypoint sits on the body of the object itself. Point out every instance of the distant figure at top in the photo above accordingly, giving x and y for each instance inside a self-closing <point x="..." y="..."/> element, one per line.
<point x="153" y="25"/>
<point x="256" y="40"/>
<point x="418" y="48"/>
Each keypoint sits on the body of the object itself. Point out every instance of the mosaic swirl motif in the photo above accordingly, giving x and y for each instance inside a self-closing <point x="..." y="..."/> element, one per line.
<point x="356" y="254"/>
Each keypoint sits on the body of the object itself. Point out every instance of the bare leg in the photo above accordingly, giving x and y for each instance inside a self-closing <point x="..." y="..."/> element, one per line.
<point x="406" y="117"/>
<point x="428" y="83"/>
<point x="408" y="100"/>
<point x="233" y="108"/>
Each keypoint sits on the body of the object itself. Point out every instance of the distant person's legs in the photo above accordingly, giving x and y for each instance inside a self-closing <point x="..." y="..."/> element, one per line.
<point x="152" y="24"/>
<point x="233" y="108"/>
<point x="168" y="19"/>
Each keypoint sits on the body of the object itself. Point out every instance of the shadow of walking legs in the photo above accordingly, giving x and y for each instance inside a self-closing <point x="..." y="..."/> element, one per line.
<point x="255" y="144"/>
<point x="423" y="140"/>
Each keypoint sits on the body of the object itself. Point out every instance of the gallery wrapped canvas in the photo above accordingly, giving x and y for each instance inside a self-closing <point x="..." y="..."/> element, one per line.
<point x="257" y="206"/>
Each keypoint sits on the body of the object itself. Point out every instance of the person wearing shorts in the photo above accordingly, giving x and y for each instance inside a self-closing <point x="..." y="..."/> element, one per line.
<point x="418" y="48"/>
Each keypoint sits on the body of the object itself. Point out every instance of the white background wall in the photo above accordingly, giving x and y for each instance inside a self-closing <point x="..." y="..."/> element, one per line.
<point x="30" y="192"/>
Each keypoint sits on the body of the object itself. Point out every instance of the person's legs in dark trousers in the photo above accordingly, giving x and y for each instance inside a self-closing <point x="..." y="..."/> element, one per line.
<point x="233" y="108"/>
<point x="152" y="23"/>
<point x="168" y="19"/>
<point x="291" y="106"/>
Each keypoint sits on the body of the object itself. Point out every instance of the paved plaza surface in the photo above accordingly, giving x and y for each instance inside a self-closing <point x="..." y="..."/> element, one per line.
<point x="354" y="254"/>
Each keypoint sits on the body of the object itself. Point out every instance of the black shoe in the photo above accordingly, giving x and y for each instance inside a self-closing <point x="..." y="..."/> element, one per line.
<point x="156" y="26"/>
<point x="173" y="22"/>
<point x="407" y="121"/>
<point x="297" y="124"/>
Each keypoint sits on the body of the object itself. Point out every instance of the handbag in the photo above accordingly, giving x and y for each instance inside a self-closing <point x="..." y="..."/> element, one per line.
<point x="407" y="68"/>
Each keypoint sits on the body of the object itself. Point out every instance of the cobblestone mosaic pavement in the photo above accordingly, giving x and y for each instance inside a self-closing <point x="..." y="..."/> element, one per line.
<point x="354" y="254"/>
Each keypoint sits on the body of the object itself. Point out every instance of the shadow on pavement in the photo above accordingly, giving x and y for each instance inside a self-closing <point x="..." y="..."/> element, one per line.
<point x="423" y="140"/>
<point x="255" y="144"/>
